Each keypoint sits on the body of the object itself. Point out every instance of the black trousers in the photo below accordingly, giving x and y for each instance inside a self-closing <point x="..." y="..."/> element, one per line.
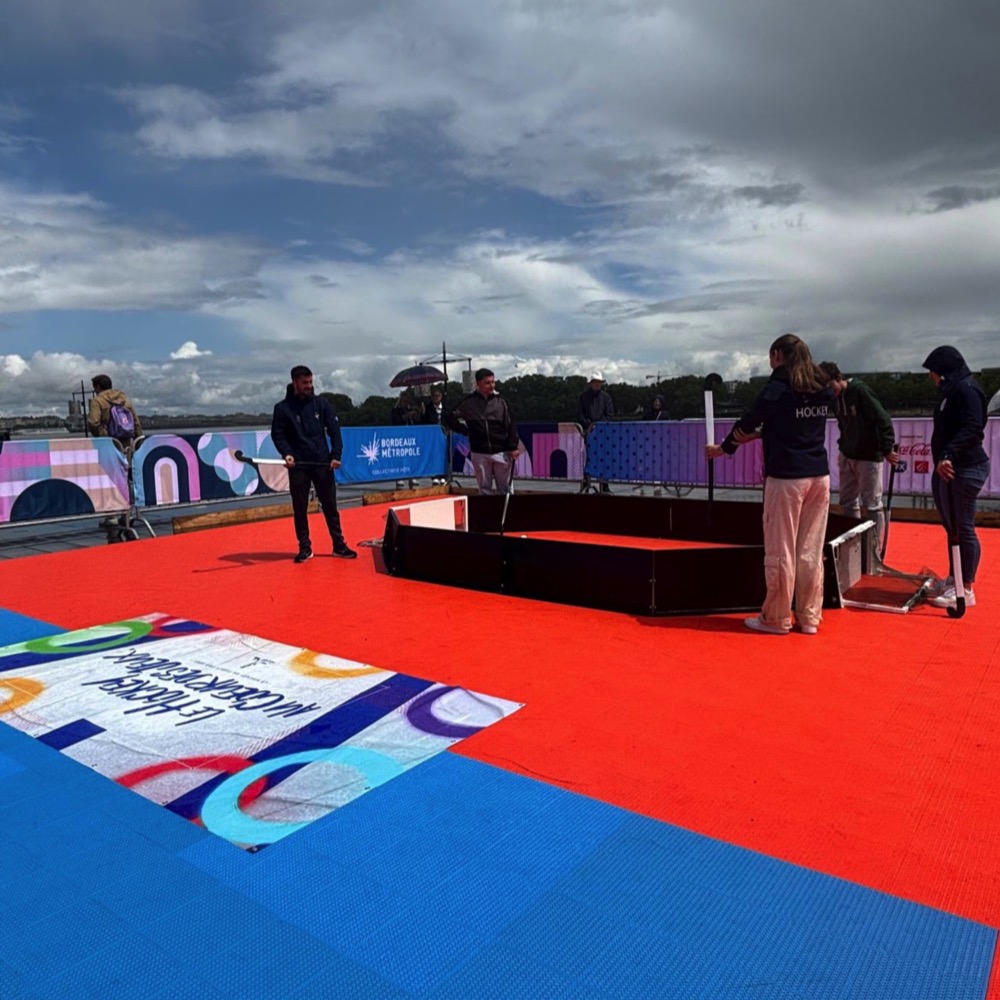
<point x="299" y="481"/>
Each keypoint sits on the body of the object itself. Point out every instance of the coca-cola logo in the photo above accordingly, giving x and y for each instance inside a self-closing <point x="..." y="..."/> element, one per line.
<point x="921" y="468"/>
<point x="917" y="448"/>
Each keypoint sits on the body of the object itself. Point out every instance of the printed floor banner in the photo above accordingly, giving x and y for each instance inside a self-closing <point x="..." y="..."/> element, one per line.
<point x="250" y="738"/>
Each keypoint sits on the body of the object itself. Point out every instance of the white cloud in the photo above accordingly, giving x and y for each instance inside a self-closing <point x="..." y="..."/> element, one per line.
<point x="65" y="251"/>
<point x="188" y="350"/>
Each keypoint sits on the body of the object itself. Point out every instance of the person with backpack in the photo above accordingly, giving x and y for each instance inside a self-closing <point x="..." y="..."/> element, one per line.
<point x="111" y="413"/>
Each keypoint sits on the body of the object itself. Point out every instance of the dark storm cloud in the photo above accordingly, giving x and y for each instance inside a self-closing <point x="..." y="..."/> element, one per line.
<point x="780" y="195"/>
<point x="946" y="199"/>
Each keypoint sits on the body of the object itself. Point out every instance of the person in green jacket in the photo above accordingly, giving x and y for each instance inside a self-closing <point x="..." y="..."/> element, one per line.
<point x="866" y="440"/>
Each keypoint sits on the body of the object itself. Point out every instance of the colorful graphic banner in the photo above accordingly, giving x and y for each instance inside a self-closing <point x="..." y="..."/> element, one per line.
<point x="62" y="477"/>
<point x="250" y="738"/>
<point x="189" y="468"/>
<point x="551" y="451"/>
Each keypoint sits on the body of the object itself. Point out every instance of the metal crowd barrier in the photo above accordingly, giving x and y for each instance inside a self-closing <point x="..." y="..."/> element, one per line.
<point x="65" y="478"/>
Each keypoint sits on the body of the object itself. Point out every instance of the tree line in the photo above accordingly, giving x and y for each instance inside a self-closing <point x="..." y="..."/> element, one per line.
<point x="548" y="398"/>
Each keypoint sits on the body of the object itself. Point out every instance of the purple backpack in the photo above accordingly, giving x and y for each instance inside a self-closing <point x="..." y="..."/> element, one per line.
<point x="121" y="424"/>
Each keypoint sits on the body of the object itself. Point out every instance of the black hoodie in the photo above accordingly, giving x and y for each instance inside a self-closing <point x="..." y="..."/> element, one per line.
<point x="960" y="415"/>
<point x="300" y="428"/>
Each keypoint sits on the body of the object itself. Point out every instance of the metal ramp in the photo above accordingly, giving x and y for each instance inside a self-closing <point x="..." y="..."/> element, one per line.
<point x="864" y="581"/>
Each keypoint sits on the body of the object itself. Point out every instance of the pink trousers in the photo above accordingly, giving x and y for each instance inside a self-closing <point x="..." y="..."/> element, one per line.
<point x="795" y="514"/>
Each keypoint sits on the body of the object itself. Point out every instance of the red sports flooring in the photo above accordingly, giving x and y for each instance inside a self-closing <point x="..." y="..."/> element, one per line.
<point x="869" y="752"/>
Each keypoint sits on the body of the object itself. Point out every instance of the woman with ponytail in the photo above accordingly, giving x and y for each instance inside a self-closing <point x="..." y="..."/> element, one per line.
<point x="790" y="417"/>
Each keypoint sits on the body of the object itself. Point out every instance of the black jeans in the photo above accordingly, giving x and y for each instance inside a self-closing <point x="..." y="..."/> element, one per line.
<point x="956" y="503"/>
<point x="299" y="481"/>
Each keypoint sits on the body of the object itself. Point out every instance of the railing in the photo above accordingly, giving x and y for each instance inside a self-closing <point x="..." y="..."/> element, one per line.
<point x="672" y="453"/>
<point x="62" y="478"/>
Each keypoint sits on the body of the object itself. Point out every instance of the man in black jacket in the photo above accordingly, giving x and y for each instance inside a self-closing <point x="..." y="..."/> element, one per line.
<point x="306" y="432"/>
<point x="593" y="407"/>
<point x="487" y="418"/>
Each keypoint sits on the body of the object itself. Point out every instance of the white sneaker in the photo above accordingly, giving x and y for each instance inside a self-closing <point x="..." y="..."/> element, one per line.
<point x="757" y="624"/>
<point x="807" y="629"/>
<point x="948" y="598"/>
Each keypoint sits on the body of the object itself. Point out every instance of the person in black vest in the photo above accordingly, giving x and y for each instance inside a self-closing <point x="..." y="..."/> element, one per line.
<point x="306" y="432"/>
<point x="791" y="412"/>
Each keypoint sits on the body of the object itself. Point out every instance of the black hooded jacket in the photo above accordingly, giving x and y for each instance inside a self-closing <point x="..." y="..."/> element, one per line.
<point x="960" y="415"/>
<point x="300" y="428"/>
<point x="794" y="428"/>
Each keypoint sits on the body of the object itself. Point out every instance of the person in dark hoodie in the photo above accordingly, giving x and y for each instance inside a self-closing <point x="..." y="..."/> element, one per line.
<point x="658" y="411"/>
<point x="790" y="413"/>
<point x="961" y="465"/>
<point x="306" y="432"/>
<point x="493" y="442"/>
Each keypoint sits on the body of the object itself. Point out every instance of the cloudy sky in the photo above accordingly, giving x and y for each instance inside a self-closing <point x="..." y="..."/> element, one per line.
<point x="196" y="194"/>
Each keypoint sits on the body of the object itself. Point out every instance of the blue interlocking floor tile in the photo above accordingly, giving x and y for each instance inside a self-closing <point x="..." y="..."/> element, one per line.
<point x="87" y="928"/>
<point x="278" y="963"/>
<point x="9" y="765"/>
<point x="127" y="968"/>
<point x="18" y="628"/>
<point x="339" y="979"/>
<point x="221" y="859"/>
<point x="145" y="891"/>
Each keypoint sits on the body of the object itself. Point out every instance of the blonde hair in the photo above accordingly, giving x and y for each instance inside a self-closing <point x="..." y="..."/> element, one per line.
<point x="803" y="373"/>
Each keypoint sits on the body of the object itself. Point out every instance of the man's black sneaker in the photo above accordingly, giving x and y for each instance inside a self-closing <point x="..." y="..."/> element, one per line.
<point x="303" y="555"/>
<point x="341" y="550"/>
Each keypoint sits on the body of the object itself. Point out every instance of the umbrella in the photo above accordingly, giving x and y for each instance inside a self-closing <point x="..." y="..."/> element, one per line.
<point x="417" y="375"/>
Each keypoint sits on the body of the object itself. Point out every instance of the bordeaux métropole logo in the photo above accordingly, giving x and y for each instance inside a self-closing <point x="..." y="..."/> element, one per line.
<point x="389" y="447"/>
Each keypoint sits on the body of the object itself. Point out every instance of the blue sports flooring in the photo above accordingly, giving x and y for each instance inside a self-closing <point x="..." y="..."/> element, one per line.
<point x="454" y="880"/>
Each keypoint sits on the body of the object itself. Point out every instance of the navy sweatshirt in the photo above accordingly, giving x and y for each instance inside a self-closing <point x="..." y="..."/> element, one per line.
<point x="300" y="428"/>
<point x="793" y="429"/>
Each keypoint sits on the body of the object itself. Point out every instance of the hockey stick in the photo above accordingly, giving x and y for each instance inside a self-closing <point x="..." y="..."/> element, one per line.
<point x="506" y="497"/>
<point x="900" y="466"/>
<point x="250" y="460"/>
<point x="711" y="380"/>
<point x="956" y="557"/>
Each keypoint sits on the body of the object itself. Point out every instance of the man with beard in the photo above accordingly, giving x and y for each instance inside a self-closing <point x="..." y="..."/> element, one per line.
<point x="306" y="432"/>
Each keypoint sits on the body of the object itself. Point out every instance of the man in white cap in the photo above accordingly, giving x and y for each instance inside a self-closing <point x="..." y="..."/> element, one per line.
<point x="594" y="406"/>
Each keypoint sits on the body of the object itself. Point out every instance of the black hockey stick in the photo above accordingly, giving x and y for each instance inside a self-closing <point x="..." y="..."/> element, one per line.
<point x="900" y="466"/>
